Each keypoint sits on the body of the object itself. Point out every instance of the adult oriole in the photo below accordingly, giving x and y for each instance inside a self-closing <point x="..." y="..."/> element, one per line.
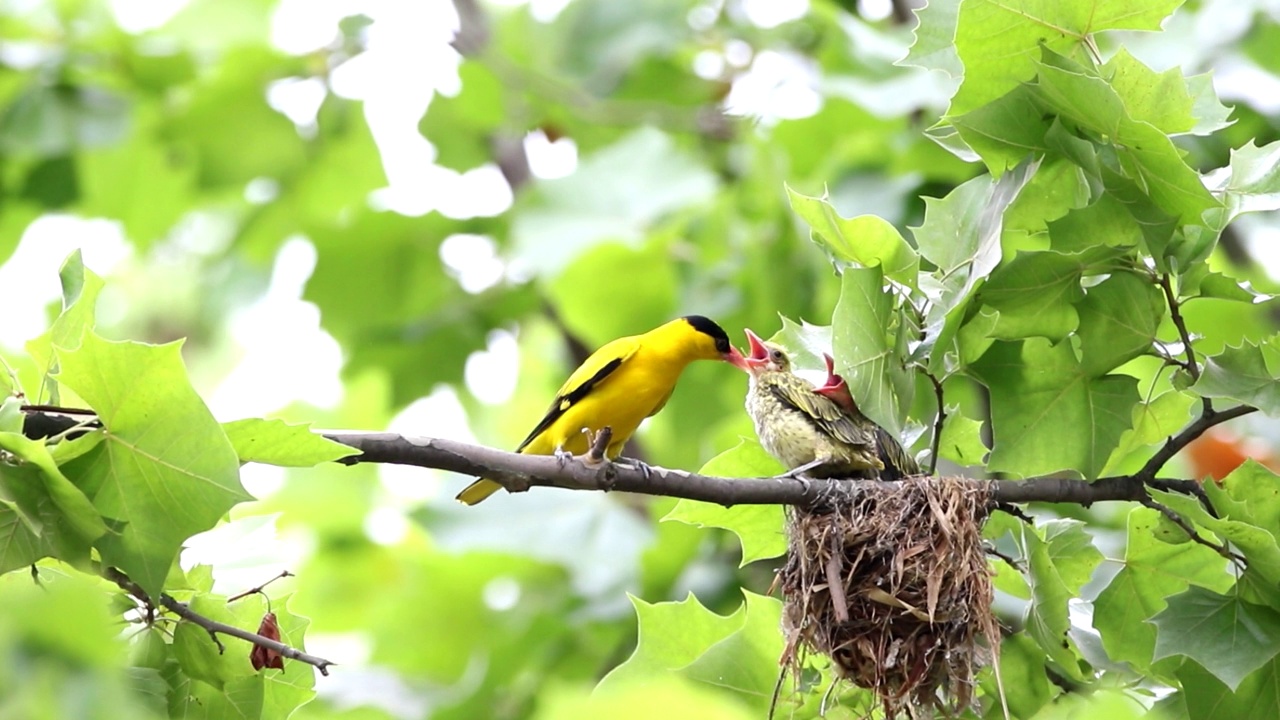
<point x="618" y="386"/>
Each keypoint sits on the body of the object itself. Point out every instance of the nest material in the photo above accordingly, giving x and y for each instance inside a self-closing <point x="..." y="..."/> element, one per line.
<point x="894" y="588"/>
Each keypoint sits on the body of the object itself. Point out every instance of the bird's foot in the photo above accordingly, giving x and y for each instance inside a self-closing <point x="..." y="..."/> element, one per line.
<point x="640" y="465"/>
<point x="796" y="472"/>
<point x="562" y="456"/>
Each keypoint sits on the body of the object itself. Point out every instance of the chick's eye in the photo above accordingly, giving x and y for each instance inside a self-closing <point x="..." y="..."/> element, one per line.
<point x="777" y="354"/>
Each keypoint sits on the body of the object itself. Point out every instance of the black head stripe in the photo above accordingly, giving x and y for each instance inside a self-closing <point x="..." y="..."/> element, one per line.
<point x="707" y="326"/>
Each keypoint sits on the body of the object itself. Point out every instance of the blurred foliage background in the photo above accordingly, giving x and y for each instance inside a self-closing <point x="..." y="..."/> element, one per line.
<point x="358" y="219"/>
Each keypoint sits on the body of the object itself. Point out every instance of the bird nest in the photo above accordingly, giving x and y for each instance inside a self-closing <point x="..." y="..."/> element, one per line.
<point x="893" y="587"/>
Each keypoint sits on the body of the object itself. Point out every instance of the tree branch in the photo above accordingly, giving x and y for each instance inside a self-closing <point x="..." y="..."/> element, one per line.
<point x="518" y="473"/>
<point x="213" y="627"/>
<point x="1174" y="445"/>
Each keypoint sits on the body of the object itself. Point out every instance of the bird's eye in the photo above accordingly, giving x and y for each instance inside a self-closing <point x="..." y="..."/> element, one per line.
<point x="777" y="354"/>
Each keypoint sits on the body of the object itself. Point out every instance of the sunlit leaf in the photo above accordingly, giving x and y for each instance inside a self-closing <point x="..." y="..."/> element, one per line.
<point x="758" y="527"/>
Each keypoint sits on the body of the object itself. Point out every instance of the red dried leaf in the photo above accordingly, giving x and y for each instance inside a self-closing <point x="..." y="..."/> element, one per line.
<point x="265" y="657"/>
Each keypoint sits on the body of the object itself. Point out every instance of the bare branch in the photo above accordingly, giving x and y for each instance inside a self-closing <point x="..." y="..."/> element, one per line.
<point x="520" y="472"/>
<point x="213" y="627"/>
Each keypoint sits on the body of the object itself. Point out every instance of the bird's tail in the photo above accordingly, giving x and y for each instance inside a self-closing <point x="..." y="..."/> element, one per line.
<point x="478" y="491"/>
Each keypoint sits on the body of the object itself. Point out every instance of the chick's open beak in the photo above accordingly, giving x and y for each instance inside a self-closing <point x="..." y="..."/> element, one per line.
<point x="836" y="388"/>
<point x="759" y="353"/>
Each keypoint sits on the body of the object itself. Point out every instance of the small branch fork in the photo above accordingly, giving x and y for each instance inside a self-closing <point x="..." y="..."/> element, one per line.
<point x="213" y="627"/>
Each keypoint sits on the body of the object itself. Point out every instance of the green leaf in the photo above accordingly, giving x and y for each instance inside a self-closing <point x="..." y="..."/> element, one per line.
<point x="1257" y="544"/>
<point x="1024" y="682"/>
<point x="70" y="500"/>
<point x="1072" y="551"/>
<point x="276" y="442"/>
<point x="1035" y="295"/>
<point x="1048" y="415"/>
<point x="1006" y="130"/>
<point x="962" y="229"/>
<point x="805" y="343"/>
<point x="934" y="47"/>
<point x="746" y="661"/>
<point x="1161" y="99"/>
<point x="166" y="469"/>
<point x="1107" y="221"/>
<point x="758" y="527"/>
<point x="865" y="355"/>
<point x="24" y="536"/>
<point x="671" y="636"/>
<point x="867" y="240"/>
<point x="80" y="289"/>
<point x="461" y="127"/>
<point x="1249" y="183"/>
<point x="597" y="203"/>
<point x="649" y="294"/>
<point x="141" y="182"/>
<point x="1208" y="698"/>
<point x="962" y="439"/>
<point x="669" y="697"/>
<point x="1047" y="620"/>
<point x="1118" y="321"/>
<point x="235" y="134"/>
<point x="1145" y="154"/>
<point x="999" y="42"/>
<point x="1152" y="571"/>
<point x="1153" y="422"/>
<point x="1227" y="636"/>
<point x="1218" y="286"/>
<point x="1247" y="374"/>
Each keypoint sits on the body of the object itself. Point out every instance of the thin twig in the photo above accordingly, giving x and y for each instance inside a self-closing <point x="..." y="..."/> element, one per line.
<point x="1015" y="511"/>
<point x="1181" y="522"/>
<point x="936" y="445"/>
<point x="1175" y="314"/>
<point x="213" y="627"/>
<point x="1009" y="559"/>
<point x="1174" y="445"/>
<point x="258" y="589"/>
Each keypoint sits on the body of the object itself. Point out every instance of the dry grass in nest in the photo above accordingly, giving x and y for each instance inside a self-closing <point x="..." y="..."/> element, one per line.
<point x="894" y="588"/>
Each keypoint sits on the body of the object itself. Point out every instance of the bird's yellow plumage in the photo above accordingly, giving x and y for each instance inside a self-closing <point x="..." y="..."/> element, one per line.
<point x="618" y="386"/>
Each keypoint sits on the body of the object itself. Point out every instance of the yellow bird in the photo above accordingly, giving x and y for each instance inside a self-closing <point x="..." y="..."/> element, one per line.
<point x="618" y="386"/>
<point x="806" y="431"/>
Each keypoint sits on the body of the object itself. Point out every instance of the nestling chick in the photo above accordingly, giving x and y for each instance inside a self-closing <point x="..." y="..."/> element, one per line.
<point x="806" y="431"/>
<point x="898" y="463"/>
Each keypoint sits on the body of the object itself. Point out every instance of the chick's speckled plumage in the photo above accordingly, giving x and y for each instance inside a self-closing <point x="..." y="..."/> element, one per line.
<point x="799" y="426"/>
<point x="898" y="463"/>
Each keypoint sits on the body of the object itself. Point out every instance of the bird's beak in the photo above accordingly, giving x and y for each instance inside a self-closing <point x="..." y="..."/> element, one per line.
<point x="836" y="388"/>
<point x="759" y="353"/>
<point x="735" y="358"/>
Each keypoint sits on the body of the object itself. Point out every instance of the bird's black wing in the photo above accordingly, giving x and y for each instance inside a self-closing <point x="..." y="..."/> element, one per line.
<point x="575" y="394"/>
<point x="898" y="463"/>
<point x="820" y="410"/>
